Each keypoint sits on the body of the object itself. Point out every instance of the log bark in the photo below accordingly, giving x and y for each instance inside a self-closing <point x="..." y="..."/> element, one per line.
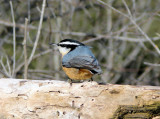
<point x="50" y="99"/>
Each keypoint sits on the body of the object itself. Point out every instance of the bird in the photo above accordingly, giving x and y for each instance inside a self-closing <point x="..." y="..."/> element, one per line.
<point x="78" y="61"/>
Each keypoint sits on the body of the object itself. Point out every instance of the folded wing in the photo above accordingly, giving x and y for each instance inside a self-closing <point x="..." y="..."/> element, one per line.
<point x="83" y="62"/>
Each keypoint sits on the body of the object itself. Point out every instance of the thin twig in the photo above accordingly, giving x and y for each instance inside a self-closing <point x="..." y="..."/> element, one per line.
<point x="44" y="71"/>
<point x="34" y="57"/>
<point x="134" y="39"/>
<point x="132" y="20"/>
<point x="4" y="69"/>
<point x="142" y="32"/>
<point x="134" y="8"/>
<point x="158" y="34"/>
<point x="151" y="64"/>
<point x="82" y="33"/>
<point x="14" y="40"/>
<point x="106" y="77"/>
<point x="128" y="10"/>
<point x="38" y="32"/>
<point x="147" y="70"/>
<point x="29" y="11"/>
<point x="113" y="8"/>
<point x="132" y="56"/>
<point x="21" y="26"/>
<point x="25" y="50"/>
<point x="121" y="38"/>
<point x="57" y="39"/>
<point x="9" y="68"/>
<point x="42" y="53"/>
<point x="4" y="73"/>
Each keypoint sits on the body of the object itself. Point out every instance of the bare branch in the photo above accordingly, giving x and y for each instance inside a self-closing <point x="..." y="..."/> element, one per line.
<point x="151" y="64"/>
<point x="131" y="19"/>
<point x="9" y="24"/>
<point x="38" y="32"/>
<point x="25" y="50"/>
<point x="122" y="38"/>
<point x="34" y="57"/>
<point x="9" y="68"/>
<point x="142" y="76"/>
<point x="5" y="72"/>
<point x="111" y="54"/>
<point x="14" y="39"/>
<point x="29" y="11"/>
<point x="128" y="10"/>
<point x="142" y="32"/>
<point x="113" y="8"/>
<point x="82" y="34"/>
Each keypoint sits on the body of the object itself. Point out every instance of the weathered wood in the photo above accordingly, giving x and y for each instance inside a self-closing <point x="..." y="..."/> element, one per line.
<point x="37" y="99"/>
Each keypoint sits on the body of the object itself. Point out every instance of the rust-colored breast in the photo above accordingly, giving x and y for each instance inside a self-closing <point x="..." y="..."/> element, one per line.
<point x="77" y="74"/>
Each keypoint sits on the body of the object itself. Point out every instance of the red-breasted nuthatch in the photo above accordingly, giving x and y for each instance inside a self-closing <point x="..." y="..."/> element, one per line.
<point x="78" y="62"/>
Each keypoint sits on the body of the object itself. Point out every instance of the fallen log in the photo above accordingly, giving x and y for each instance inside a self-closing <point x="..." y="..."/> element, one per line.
<point x="50" y="99"/>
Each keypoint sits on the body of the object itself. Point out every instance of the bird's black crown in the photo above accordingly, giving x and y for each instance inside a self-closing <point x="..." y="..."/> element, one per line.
<point x="70" y="44"/>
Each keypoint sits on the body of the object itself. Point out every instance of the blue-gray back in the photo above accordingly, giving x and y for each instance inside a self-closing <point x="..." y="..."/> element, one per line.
<point x="81" y="57"/>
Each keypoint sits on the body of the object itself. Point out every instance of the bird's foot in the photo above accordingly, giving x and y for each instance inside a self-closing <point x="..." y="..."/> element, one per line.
<point x="90" y="80"/>
<point x="70" y="82"/>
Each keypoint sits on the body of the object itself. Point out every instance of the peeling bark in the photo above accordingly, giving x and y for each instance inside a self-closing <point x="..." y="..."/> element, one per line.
<point x="49" y="99"/>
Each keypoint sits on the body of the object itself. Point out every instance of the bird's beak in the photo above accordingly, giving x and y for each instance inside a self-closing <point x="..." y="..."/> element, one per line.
<point x="53" y="44"/>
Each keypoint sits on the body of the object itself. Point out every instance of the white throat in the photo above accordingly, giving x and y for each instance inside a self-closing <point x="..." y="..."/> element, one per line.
<point x="63" y="50"/>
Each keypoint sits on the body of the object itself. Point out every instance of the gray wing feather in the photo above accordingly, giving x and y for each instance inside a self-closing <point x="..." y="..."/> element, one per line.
<point x="86" y="62"/>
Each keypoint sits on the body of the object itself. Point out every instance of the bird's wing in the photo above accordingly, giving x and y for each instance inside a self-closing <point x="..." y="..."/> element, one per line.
<point x="83" y="62"/>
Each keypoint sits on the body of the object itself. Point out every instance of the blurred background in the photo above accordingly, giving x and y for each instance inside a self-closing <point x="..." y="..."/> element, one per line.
<point x="122" y="49"/>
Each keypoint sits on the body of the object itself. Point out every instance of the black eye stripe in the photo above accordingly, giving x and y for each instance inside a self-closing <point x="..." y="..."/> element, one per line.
<point x="67" y="45"/>
<point x="72" y="47"/>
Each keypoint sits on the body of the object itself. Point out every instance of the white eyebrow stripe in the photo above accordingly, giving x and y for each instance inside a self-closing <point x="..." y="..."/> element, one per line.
<point x="69" y="43"/>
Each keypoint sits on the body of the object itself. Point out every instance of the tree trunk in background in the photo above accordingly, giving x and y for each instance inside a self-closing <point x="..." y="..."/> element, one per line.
<point x="37" y="99"/>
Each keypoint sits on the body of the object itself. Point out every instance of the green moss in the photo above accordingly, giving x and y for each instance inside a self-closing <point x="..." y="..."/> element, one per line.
<point x="139" y="112"/>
